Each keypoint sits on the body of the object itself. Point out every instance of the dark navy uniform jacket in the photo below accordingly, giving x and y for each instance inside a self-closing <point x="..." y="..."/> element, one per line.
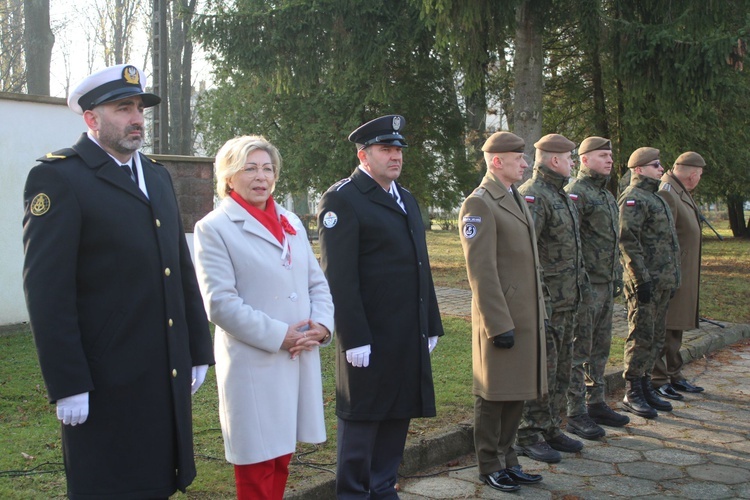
<point x="375" y="258"/>
<point x="115" y="311"/>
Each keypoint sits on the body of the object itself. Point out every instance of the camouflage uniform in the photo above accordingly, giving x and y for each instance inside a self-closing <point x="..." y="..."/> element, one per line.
<point x="650" y="253"/>
<point x="559" y="242"/>
<point x="598" y="211"/>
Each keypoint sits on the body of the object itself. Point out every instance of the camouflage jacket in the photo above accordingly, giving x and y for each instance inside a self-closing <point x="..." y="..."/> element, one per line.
<point x="648" y="241"/>
<point x="558" y="238"/>
<point x="600" y="225"/>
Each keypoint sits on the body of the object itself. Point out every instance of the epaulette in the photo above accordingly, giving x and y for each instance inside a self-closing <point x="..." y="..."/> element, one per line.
<point x="151" y="160"/>
<point x="340" y="184"/>
<point x="58" y="155"/>
<point x="479" y="191"/>
<point x="665" y="186"/>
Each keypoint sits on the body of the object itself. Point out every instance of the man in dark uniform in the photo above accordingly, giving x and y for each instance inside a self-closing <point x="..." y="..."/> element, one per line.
<point x="113" y="301"/>
<point x="374" y="254"/>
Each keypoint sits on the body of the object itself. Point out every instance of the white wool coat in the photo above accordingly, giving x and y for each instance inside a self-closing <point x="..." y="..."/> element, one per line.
<point x="267" y="401"/>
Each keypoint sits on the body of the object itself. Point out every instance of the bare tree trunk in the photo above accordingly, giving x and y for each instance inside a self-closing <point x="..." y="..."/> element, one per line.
<point x="38" y="42"/>
<point x="160" y="76"/>
<point x="735" y="209"/>
<point x="528" y="64"/>
<point x="180" y="84"/>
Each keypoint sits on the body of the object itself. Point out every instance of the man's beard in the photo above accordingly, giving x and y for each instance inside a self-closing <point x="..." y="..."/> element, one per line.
<point x="109" y="137"/>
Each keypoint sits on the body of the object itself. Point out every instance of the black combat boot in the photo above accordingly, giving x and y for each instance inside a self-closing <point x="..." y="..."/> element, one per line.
<point x="634" y="402"/>
<point x="652" y="397"/>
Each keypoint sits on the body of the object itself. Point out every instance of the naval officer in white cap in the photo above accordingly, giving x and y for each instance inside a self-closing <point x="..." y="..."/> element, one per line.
<point x="113" y="301"/>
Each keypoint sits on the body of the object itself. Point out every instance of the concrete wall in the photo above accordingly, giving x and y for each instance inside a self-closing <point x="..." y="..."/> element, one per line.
<point x="30" y="127"/>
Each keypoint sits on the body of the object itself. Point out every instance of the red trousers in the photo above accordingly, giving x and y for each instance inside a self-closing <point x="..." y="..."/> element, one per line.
<point x="264" y="480"/>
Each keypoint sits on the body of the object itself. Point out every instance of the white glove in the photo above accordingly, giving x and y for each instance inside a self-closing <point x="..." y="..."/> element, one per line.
<point x="73" y="410"/>
<point x="432" y="342"/>
<point x="359" y="356"/>
<point x="199" y="375"/>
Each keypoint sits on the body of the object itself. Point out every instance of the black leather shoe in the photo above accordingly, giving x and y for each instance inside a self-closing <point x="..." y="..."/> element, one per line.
<point x="519" y="476"/>
<point x="685" y="386"/>
<point x="500" y="481"/>
<point x="565" y="443"/>
<point x="668" y="392"/>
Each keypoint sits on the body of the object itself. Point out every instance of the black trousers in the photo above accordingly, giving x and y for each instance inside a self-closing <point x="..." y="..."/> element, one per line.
<point x="369" y="454"/>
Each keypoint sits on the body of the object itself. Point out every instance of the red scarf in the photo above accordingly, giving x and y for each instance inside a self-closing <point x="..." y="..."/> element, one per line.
<point x="267" y="217"/>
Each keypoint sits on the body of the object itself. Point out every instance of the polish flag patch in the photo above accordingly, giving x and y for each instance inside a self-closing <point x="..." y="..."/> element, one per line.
<point x="573" y="196"/>
<point x="529" y="198"/>
<point x="629" y="203"/>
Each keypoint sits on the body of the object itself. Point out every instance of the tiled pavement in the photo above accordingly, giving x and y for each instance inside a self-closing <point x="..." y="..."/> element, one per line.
<point x="700" y="450"/>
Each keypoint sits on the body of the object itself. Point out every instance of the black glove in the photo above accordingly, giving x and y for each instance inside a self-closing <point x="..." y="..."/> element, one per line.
<point x="504" y="340"/>
<point x="644" y="292"/>
<point x="616" y="288"/>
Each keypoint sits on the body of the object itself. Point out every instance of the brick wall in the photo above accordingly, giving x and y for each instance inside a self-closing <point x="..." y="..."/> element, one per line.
<point x="193" y="179"/>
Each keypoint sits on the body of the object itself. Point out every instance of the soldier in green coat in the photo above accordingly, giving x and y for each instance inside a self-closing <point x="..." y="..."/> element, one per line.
<point x="597" y="209"/>
<point x="558" y="238"/>
<point x="651" y="262"/>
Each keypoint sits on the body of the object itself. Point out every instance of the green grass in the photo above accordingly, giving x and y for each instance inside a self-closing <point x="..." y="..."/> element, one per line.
<point x="30" y="436"/>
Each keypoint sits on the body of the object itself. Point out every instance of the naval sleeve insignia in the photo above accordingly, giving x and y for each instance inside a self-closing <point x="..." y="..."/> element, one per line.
<point x="330" y="219"/>
<point x="40" y="204"/>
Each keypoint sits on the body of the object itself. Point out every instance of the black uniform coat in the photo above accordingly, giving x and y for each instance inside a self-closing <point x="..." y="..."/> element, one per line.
<point x="115" y="311"/>
<point x="375" y="258"/>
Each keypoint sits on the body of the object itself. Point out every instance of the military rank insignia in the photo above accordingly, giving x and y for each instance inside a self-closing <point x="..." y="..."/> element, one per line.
<point x="40" y="204"/>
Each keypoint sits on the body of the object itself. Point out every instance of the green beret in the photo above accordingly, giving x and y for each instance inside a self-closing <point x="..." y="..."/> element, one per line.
<point x="503" y="142"/>
<point x="594" y="144"/>
<point x="690" y="159"/>
<point x="555" y="143"/>
<point x="643" y="156"/>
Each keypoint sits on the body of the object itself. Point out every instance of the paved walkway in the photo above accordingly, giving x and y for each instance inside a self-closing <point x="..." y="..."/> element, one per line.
<point x="700" y="450"/>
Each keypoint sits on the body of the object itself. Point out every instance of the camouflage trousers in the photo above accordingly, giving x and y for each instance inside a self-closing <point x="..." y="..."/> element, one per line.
<point x="591" y="344"/>
<point x="646" y="324"/>
<point x="541" y="417"/>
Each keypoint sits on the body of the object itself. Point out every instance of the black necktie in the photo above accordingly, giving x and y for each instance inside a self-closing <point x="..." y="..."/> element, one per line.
<point x="132" y="172"/>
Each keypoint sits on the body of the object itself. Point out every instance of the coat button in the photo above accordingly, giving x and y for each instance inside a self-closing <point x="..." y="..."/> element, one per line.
<point x="167" y="272"/>
<point x="171" y="322"/>
<point x="293" y="297"/>
<point x="174" y="373"/>
<point x="158" y="223"/>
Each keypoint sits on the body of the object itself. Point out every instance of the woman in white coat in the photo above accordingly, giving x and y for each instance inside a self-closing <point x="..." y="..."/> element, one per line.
<point x="266" y="294"/>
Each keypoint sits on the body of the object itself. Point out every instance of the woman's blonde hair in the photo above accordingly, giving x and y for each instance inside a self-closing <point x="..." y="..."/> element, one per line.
<point x="232" y="156"/>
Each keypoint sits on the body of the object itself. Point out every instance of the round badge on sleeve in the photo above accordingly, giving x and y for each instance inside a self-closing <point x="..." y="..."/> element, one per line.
<point x="40" y="204"/>
<point x="330" y="219"/>
<point x="470" y="230"/>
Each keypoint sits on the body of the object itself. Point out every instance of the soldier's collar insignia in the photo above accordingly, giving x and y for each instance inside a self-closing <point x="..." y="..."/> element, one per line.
<point x="40" y="204"/>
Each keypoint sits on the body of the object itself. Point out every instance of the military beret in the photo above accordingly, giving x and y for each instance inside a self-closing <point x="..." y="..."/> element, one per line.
<point x="690" y="159"/>
<point x="110" y="84"/>
<point x="594" y="144"/>
<point x="383" y="130"/>
<point x="555" y="143"/>
<point x="503" y="142"/>
<point x="643" y="156"/>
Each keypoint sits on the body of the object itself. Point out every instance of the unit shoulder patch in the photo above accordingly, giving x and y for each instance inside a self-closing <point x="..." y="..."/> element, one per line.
<point x="469" y="231"/>
<point x="40" y="204"/>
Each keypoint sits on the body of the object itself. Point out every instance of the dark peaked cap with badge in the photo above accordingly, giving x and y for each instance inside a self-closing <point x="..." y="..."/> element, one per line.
<point x="594" y="143"/>
<point x="111" y="84"/>
<point x="643" y="156"/>
<point x="503" y="142"/>
<point x="383" y="130"/>
<point x="555" y="143"/>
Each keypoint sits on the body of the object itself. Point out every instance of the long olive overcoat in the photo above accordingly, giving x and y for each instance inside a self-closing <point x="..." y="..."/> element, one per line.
<point x="499" y="243"/>
<point x="683" y="308"/>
